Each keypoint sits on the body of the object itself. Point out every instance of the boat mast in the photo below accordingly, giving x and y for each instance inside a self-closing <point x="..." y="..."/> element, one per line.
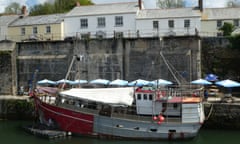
<point x="69" y="69"/>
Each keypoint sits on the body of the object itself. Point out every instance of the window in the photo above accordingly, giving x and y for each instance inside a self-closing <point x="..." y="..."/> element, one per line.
<point x="35" y="30"/>
<point x="48" y="29"/>
<point x="101" y="22"/>
<point x="84" y="23"/>
<point x="23" y="31"/>
<point x="171" y="24"/>
<point x="236" y="22"/>
<point x="118" y="21"/>
<point x="145" y="97"/>
<point x="150" y="96"/>
<point x="187" y="23"/>
<point x="155" y="24"/>
<point x="139" y="96"/>
<point x="219" y="23"/>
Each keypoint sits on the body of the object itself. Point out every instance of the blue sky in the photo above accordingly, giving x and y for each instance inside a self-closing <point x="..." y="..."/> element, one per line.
<point x="147" y="3"/>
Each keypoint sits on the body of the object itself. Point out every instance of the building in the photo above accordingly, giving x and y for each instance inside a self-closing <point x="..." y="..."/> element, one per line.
<point x="102" y="20"/>
<point x="43" y="27"/>
<point x="168" y="22"/>
<point x="214" y="18"/>
<point x="5" y="20"/>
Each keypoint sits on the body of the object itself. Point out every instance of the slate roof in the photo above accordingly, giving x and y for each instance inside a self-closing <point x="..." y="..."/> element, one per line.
<point x="38" y="20"/>
<point x="7" y="19"/>
<point x="168" y="13"/>
<point x="104" y="9"/>
<point x="220" y="13"/>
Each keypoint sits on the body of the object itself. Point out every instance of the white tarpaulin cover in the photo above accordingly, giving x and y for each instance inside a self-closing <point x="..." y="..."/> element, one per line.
<point x="115" y="96"/>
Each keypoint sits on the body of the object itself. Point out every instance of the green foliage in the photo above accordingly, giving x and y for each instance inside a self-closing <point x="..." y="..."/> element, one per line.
<point x="13" y="8"/>
<point x="227" y="29"/>
<point x="170" y="3"/>
<point x="235" y="42"/>
<point x="41" y="9"/>
<point x="59" y="6"/>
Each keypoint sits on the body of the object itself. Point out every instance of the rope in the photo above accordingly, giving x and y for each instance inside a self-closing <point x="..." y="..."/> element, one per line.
<point x="210" y="112"/>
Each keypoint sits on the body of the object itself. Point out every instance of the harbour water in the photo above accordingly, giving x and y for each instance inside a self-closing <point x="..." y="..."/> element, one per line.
<point x="12" y="133"/>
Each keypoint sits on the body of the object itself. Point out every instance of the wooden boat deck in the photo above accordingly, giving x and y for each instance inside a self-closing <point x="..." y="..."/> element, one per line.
<point x="44" y="133"/>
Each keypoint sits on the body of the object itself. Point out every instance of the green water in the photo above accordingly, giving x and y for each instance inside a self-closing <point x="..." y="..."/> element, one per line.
<point x="11" y="133"/>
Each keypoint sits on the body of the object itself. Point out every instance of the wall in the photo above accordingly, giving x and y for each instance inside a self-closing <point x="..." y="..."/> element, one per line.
<point x="72" y="25"/>
<point x="222" y="115"/>
<point x="8" y="67"/>
<point x="14" y="33"/>
<point x="128" y="59"/>
<point x="145" y="27"/>
<point x="49" y="59"/>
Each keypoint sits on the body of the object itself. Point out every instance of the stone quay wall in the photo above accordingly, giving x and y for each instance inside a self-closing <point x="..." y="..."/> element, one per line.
<point x="129" y="59"/>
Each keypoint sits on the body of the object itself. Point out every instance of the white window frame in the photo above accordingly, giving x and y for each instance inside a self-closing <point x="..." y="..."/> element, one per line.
<point x="187" y="23"/>
<point x="48" y="29"/>
<point x="155" y="25"/>
<point x="101" y="22"/>
<point x="171" y="23"/>
<point x="219" y="23"/>
<point x="23" y="31"/>
<point x="35" y="30"/>
<point x="118" y="21"/>
<point x="84" y="23"/>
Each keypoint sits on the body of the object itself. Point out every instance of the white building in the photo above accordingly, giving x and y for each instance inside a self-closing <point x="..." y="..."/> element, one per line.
<point x="102" y="20"/>
<point x="4" y="22"/>
<point x="168" y="22"/>
<point x="214" y="18"/>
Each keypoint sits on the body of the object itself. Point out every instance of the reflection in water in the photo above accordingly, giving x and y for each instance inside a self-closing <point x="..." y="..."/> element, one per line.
<point x="11" y="133"/>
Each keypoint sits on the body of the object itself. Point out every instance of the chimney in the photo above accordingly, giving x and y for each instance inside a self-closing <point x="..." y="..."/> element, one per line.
<point x="24" y="11"/>
<point x="200" y="4"/>
<point x="77" y="4"/>
<point x="140" y="4"/>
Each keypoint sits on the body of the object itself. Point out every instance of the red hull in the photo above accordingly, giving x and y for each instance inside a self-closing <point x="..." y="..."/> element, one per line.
<point x="67" y="120"/>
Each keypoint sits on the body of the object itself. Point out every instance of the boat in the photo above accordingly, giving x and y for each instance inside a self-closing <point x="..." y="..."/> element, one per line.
<point x="122" y="112"/>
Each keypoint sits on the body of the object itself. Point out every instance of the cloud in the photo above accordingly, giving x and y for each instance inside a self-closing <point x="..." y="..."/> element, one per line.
<point x="147" y="3"/>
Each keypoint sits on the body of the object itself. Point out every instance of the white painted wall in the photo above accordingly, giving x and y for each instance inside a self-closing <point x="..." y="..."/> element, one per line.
<point x="145" y="27"/>
<point x="72" y="25"/>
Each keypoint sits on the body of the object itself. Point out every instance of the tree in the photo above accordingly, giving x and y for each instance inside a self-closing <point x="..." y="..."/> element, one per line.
<point x="13" y="8"/>
<point x="41" y="9"/>
<point x="227" y="29"/>
<point x="59" y="6"/>
<point x="170" y="3"/>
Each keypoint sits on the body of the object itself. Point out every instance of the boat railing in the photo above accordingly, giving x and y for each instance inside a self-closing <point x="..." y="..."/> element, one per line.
<point x="116" y="112"/>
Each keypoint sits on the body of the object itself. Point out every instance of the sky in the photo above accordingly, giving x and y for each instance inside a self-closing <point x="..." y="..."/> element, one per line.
<point x="147" y="3"/>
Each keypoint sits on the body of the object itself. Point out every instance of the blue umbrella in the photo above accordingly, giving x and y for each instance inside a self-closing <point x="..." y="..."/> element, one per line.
<point x="46" y="81"/>
<point x="201" y="82"/>
<point x="228" y="83"/>
<point x="64" y="81"/>
<point x="139" y="82"/>
<point x="119" y="82"/>
<point x="79" y="82"/>
<point x="161" y="82"/>
<point x="211" y="77"/>
<point x="100" y="81"/>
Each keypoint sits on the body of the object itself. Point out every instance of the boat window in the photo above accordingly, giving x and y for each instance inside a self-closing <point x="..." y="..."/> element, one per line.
<point x="150" y="96"/>
<point x="145" y="97"/>
<point x="136" y="128"/>
<point x="175" y="105"/>
<point x="171" y="130"/>
<point x="153" y="130"/>
<point x="164" y="105"/>
<point x="139" y="96"/>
